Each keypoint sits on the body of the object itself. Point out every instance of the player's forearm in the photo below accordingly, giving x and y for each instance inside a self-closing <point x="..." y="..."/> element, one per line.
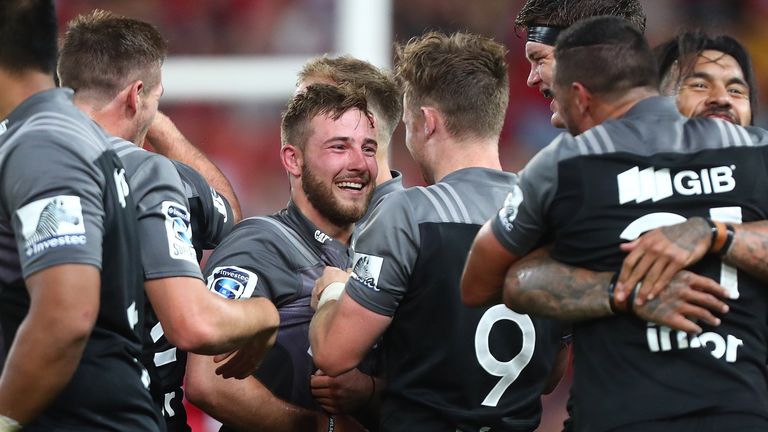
<point x="231" y="323"/>
<point x="323" y="353"/>
<point x="245" y="404"/>
<point x="749" y="250"/>
<point x="42" y="360"/>
<point x="539" y="285"/>
<point x="170" y="142"/>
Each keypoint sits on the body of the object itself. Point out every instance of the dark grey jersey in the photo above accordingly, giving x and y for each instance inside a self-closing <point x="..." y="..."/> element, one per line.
<point x="167" y="238"/>
<point x="607" y="186"/>
<point x="449" y="367"/>
<point x="279" y="257"/>
<point x="64" y="199"/>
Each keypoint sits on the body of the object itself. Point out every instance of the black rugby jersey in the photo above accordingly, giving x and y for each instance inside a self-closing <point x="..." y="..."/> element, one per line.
<point x="607" y="186"/>
<point x="279" y="257"/>
<point x="179" y="215"/>
<point x="64" y="199"/>
<point x="448" y="366"/>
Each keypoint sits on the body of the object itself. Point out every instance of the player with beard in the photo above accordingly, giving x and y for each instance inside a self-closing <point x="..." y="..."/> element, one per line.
<point x="329" y="151"/>
<point x="385" y="100"/>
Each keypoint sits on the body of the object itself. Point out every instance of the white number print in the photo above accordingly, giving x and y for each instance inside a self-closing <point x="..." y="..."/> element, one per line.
<point x="509" y="370"/>
<point x="728" y="275"/>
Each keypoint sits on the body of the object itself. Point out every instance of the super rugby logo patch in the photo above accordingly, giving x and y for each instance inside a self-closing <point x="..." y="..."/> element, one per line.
<point x="366" y="269"/>
<point x="52" y="222"/>
<point x="232" y="282"/>
<point x="178" y="229"/>
<point x="508" y="212"/>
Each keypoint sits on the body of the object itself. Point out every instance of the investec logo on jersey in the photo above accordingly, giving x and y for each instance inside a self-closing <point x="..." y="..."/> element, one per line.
<point x="52" y="222"/>
<point x="232" y="282"/>
<point x="178" y="229"/>
<point x="657" y="184"/>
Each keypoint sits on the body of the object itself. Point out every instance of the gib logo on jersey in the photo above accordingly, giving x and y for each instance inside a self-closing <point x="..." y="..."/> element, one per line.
<point x="178" y="229"/>
<point x="232" y="282"/>
<point x="367" y="269"/>
<point x="657" y="184"/>
<point x="52" y="222"/>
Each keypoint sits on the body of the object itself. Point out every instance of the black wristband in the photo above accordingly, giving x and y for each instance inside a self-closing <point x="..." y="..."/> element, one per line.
<point x="713" y="230"/>
<point x="728" y="240"/>
<point x="331" y="424"/>
<point x="612" y="292"/>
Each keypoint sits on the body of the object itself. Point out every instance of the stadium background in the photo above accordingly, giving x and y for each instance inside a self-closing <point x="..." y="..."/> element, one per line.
<point x="233" y="63"/>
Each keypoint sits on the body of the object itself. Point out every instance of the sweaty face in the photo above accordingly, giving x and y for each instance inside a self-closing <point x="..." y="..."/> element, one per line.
<point x="715" y="88"/>
<point x="542" y="59"/>
<point x="339" y="166"/>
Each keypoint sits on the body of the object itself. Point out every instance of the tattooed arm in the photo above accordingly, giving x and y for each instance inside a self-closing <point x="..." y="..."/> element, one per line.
<point x="539" y="285"/>
<point x="749" y="250"/>
<point x="656" y="256"/>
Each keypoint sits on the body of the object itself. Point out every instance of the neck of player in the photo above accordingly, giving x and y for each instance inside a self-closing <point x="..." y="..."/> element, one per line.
<point x="18" y="86"/>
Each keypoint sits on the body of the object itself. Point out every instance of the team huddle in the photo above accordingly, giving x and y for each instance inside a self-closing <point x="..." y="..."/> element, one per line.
<point x="635" y="242"/>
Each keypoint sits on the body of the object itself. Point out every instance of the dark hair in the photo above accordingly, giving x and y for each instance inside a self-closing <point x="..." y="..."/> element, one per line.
<point x="104" y="52"/>
<point x="605" y="54"/>
<point x="28" y="35"/>
<point x="685" y="48"/>
<point x="463" y="75"/>
<point x="318" y="99"/>
<point x="380" y="88"/>
<point x="564" y="13"/>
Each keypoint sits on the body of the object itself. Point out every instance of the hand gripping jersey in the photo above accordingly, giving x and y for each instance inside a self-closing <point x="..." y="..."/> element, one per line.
<point x="179" y="216"/>
<point x="279" y="257"/>
<point x="607" y="186"/>
<point x="64" y="199"/>
<point x="448" y="366"/>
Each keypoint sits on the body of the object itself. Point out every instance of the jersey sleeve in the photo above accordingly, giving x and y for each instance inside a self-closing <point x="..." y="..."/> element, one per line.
<point x="250" y="263"/>
<point x="165" y="229"/>
<point x="521" y="225"/>
<point x="212" y="214"/>
<point x="55" y="200"/>
<point x="385" y="254"/>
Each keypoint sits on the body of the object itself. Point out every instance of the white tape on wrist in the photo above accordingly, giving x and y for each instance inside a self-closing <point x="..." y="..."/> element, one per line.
<point x="331" y="292"/>
<point x="8" y="424"/>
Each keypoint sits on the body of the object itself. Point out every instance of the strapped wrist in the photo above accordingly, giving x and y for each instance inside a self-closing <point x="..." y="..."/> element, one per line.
<point x="331" y="423"/>
<point x="332" y="292"/>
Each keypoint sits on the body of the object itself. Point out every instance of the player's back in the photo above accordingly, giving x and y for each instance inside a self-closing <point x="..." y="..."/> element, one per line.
<point x="450" y="366"/>
<point x="609" y="185"/>
<point x="78" y="210"/>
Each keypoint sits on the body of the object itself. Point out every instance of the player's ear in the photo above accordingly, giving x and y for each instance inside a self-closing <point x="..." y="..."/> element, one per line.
<point x="583" y="97"/>
<point x="432" y="120"/>
<point x="291" y="157"/>
<point x="132" y="94"/>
